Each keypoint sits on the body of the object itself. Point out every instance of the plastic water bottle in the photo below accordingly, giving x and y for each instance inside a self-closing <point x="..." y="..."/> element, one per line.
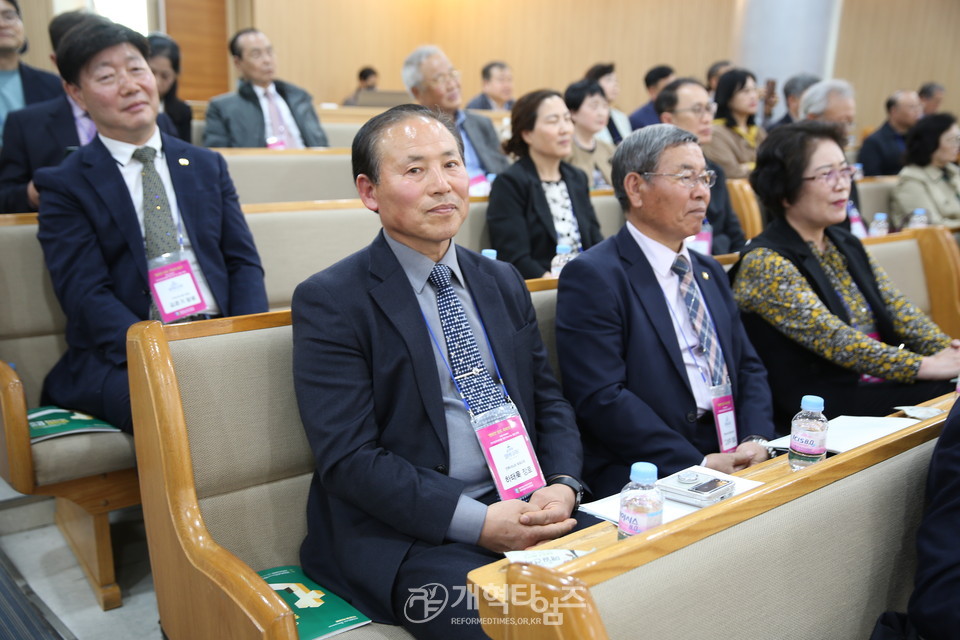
<point x="880" y="226"/>
<point x="918" y="220"/>
<point x="856" y="222"/>
<point x="641" y="503"/>
<point x="808" y="434"/>
<point x="489" y="253"/>
<point x="560" y="260"/>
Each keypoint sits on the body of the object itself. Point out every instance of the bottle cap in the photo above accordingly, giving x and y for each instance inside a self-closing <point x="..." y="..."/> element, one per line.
<point x="489" y="253"/>
<point x="811" y="403"/>
<point x="880" y="216"/>
<point x="919" y="212"/>
<point x="563" y="248"/>
<point x="643" y="473"/>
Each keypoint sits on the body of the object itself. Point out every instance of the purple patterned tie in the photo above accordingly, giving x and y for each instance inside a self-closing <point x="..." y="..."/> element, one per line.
<point x="702" y="325"/>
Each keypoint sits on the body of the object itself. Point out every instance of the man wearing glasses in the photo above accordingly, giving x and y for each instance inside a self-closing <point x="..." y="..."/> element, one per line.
<point x="685" y="103"/>
<point x="652" y="353"/>
<point x="434" y="83"/>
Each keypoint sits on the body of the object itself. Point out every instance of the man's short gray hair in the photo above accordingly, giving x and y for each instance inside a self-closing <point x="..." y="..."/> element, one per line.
<point x="640" y="153"/>
<point x="815" y="99"/>
<point x="796" y="85"/>
<point x="411" y="73"/>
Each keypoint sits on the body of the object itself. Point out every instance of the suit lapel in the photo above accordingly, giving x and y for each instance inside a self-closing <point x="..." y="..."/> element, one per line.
<point x="538" y="199"/>
<point x="61" y="126"/>
<point x="391" y="291"/>
<point x="101" y="172"/>
<point x="650" y="297"/>
<point x="179" y="158"/>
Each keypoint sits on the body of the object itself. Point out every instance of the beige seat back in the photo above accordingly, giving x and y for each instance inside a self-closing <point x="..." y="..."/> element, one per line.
<point x="340" y="134"/>
<point x="903" y="262"/>
<point x="474" y="234"/>
<point x="295" y="244"/>
<point x="609" y="213"/>
<point x="543" y="293"/>
<point x="264" y="175"/>
<point x="875" y="194"/>
<point x="31" y="322"/>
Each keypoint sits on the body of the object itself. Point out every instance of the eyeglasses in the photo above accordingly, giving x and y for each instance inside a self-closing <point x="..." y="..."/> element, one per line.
<point x="444" y="78"/>
<point x="831" y="177"/>
<point x="9" y="15"/>
<point x="699" y="110"/>
<point x="690" y="179"/>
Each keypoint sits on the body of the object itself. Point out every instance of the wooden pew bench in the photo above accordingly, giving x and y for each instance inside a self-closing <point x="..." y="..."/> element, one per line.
<point x="818" y="553"/>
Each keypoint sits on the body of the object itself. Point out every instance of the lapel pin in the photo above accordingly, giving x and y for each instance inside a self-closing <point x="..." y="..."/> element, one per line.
<point x="706" y="276"/>
<point x="184" y="162"/>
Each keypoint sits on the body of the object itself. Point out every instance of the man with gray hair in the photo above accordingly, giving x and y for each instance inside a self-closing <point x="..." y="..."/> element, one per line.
<point x="792" y="91"/>
<point x="931" y="96"/>
<point x="652" y="353"/>
<point x="434" y="83"/>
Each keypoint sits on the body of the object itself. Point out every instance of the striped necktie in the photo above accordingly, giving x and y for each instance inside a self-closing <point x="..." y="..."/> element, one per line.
<point x="702" y="325"/>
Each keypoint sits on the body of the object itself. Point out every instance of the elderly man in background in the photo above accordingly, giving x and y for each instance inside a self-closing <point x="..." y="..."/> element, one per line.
<point x="263" y="111"/>
<point x="881" y="153"/>
<point x="792" y="91"/>
<point x="432" y="80"/>
<point x="497" y="92"/>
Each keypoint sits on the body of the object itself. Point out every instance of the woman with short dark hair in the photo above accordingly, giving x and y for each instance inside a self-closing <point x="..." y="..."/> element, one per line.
<point x="540" y="201"/>
<point x="930" y="178"/>
<point x="736" y="135"/>
<point x="822" y="314"/>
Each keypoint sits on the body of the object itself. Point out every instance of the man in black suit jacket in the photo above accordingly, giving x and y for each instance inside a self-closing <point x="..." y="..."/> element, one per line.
<point x="36" y="85"/>
<point x="402" y="504"/>
<point x="633" y="363"/>
<point x="92" y="221"/>
<point x="434" y="83"/>
<point x="881" y="153"/>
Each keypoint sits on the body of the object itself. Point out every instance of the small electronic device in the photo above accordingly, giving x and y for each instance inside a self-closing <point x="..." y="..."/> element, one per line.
<point x="691" y="486"/>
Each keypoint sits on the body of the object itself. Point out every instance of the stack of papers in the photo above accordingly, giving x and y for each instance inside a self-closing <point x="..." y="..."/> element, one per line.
<point x="609" y="508"/>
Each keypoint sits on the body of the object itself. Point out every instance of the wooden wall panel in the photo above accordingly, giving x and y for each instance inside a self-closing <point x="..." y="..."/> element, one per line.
<point x="885" y="45"/>
<point x="551" y="43"/>
<point x="200" y="28"/>
<point x="323" y="43"/>
<point x="36" y="17"/>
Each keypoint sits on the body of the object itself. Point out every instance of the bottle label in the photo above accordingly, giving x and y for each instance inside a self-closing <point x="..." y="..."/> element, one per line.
<point x="809" y="443"/>
<point x="634" y="522"/>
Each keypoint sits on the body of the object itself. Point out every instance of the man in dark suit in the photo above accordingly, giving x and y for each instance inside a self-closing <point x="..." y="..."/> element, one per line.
<point x="644" y="376"/>
<point x="107" y="204"/>
<point x="685" y="103"/>
<point x="33" y="85"/>
<point x="935" y="604"/>
<point x="42" y="134"/>
<point x="263" y="111"/>
<point x="434" y="83"/>
<point x="403" y="504"/>
<point x="881" y="153"/>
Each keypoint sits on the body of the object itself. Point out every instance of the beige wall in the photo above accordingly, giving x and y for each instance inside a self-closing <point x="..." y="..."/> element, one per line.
<point x="885" y="45"/>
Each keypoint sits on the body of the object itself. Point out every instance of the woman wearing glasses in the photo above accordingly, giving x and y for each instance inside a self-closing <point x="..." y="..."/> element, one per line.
<point x="540" y="201"/>
<point x="824" y="317"/>
<point x="736" y="135"/>
<point x="930" y="178"/>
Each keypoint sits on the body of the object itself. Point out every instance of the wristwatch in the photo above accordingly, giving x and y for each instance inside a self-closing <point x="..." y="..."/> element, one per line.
<point x="571" y="482"/>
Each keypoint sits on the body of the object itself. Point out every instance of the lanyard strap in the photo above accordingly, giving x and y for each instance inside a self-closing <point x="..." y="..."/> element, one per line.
<point x="493" y="357"/>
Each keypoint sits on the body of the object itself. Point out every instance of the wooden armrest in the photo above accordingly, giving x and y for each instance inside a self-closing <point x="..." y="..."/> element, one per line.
<point x="16" y="456"/>
<point x="208" y="591"/>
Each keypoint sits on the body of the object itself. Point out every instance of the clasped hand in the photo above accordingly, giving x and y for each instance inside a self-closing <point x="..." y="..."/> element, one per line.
<point x="514" y="524"/>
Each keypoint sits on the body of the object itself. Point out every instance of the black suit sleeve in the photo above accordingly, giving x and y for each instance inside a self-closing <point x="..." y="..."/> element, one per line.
<point x="15" y="170"/>
<point x="507" y="219"/>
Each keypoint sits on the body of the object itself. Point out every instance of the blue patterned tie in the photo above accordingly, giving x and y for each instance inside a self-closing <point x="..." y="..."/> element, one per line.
<point x="702" y="325"/>
<point x="475" y="382"/>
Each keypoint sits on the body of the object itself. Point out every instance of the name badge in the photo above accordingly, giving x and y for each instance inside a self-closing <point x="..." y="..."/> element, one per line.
<point x="274" y="142"/>
<point x="724" y="417"/>
<point x="174" y="287"/>
<point x="508" y="451"/>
